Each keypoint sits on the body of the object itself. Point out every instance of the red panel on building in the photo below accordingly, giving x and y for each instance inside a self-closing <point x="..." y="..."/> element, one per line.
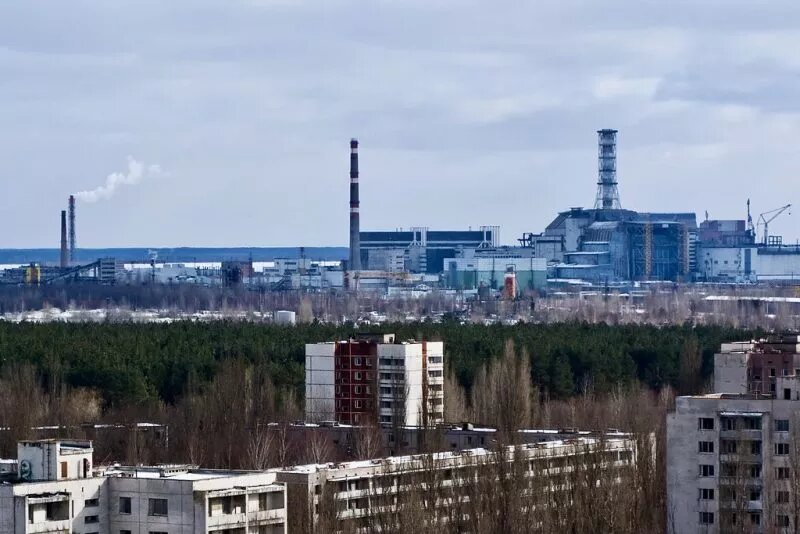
<point x="355" y="366"/>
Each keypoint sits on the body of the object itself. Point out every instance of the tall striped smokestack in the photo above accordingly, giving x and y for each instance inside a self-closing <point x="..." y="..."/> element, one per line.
<point x="64" y="257"/>
<point x="71" y="228"/>
<point x="355" y="238"/>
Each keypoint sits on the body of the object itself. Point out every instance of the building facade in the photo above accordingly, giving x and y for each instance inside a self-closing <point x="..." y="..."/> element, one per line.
<point x="733" y="456"/>
<point x="354" y="496"/>
<point x="375" y="379"/>
<point x="56" y="489"/>
<point x="421" y="250"/>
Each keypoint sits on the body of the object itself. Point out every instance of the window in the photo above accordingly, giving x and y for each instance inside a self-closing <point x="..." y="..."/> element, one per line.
<point x="91" y="503"/>
<point x="705" y="446"/>
<point x="787" y="394"/>
<point x="781" y="425"/>
<point x="357" y="362"/>
<point x="357" y="404"/>
<point x="157" y="507"/>
<point x="752" y="423"/>
<point x="434" y="359"/>
<point x="728" y="470"/>
<point x="706" y="470"/>
<point x="157" y="532"/>
<point x="755" y="518"/>
<point x="124" y="532"/>
<point x="782" y="521"/>
<point x="358" y="375"/>
<point x="386" y="376"/>
<point x="705" y="423"/>
<point x="705" y="494"/>
<point x="782" y="473"/>
<point x="706" y="518"/>
<point x="728" y="423"/>
<point x="63" y="469"/>
<point x="728" y="446"/>
<point x="435" y="374"/>
<point x="755" y="471"/>
<point x="782" y="497"/>
<point x="781" y="449"/>
<point x="91" y="519"/>
<point x="755" y="447"/>
<point x="358" y="390"/>
<point x="755" y="494"/>
<point x="772" y="372"/>
<point x="124" y="505"/>
<point x="386" y="391"/>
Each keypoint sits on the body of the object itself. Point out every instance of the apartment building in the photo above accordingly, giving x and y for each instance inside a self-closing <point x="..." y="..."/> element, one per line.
<point x="754" y="366"/>
<point x="56" y="489"/>
<point x="355" y="494"/>
<point x="375" y="379"/>
<point x="733" y="456"/>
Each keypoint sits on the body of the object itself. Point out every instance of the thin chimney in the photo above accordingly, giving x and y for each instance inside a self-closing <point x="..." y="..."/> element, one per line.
<point x="71" y="229"/>
<point x="64" y="256"/>
<point x="355" y="238"/>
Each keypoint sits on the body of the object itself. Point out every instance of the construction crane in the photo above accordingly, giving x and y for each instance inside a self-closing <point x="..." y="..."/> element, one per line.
<point x="764" y="220"/>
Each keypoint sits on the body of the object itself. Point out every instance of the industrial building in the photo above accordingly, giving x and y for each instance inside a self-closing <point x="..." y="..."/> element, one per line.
<point x="361" y="492"/>
<point x="54" y="487"/>
<point x="732" y="455"/>
<point x="375" y="379"/>
<point x="608" y="243"/>
<point x="730" y="251"/>
<point x="512" y="275"/>
<point x="421" y="250"/>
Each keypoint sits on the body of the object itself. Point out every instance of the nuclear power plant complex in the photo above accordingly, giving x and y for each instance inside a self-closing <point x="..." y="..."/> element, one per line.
<point x="606" y="245"/>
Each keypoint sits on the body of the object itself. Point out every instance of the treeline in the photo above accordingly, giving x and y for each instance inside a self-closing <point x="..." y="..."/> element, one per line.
<point x="138" y="363"/>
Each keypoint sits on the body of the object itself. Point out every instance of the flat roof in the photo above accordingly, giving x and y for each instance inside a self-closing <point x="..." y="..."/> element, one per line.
<point x="171" y="472"/>
<point x="439" y="456"/>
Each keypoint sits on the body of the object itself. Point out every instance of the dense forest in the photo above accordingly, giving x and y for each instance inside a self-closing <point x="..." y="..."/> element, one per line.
<point x="139" y="363"/>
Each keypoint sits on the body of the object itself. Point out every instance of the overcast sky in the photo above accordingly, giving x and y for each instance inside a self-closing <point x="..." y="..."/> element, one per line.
<point x="468" y="113"/>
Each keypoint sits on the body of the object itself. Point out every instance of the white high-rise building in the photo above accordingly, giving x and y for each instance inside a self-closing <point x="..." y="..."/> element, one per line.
<point x="375" y="379"/>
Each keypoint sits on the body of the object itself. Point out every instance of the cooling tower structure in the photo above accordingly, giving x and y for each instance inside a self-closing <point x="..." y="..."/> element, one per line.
<point x="607" y="192"/>
<point x="355" y="224"/>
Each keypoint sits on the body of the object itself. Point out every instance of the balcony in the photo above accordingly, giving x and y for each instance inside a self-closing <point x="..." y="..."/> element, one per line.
<point x="260" y="517"/>
<point x="63" y="526"/>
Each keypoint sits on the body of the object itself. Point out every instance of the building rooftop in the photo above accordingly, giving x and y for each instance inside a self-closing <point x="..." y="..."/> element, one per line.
<point x="412" y="461"/>
<point x="170" y="472"/>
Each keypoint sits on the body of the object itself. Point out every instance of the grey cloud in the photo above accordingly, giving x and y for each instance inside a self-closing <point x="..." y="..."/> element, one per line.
<point x="468" y="112"/>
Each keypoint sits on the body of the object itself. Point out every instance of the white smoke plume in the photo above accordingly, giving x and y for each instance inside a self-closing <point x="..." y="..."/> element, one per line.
<point x="137" y="171"/>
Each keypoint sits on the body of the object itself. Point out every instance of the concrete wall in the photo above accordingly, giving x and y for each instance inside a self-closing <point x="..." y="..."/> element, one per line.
<point x="320" y="388"/>
<point x="730" y="372"/>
